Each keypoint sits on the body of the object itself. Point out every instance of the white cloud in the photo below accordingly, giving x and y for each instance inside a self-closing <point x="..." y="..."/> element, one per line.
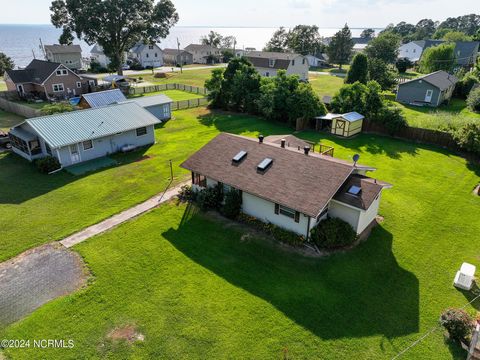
<point x="300" y="4"/>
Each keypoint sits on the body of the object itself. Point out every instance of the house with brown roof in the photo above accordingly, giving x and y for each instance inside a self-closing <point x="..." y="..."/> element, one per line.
<point x="269" y="63"/>
<point x="68" y="55"/>
<point x="291" y="187"/>
<point x="49" y="80"/>
<point x="176" y="57"/>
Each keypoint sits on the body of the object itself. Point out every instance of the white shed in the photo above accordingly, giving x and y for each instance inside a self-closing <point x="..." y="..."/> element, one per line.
<point x="345" y="125"/>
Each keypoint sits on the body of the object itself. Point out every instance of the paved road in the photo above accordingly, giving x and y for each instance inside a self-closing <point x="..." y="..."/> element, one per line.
<point x="36" y="277"/>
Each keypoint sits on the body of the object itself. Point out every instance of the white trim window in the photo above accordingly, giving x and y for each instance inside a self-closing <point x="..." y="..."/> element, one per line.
<point x="271" y="62"/>
<point x="141" y="131"/>
<point x="166" y="111"/>
<point x="79" y="84"/>
<point x="286" y="211"/>
<point x="62" y="72"/>
<point x="58" y="88"/>
<point x="87" y="145"/>
<point x="91" y="82"/>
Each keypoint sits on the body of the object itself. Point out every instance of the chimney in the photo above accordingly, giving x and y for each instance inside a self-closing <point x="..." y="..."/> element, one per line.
<point x="282" y="143"/>
<point x="306" y="149"/>
<point x="260" y="139"/>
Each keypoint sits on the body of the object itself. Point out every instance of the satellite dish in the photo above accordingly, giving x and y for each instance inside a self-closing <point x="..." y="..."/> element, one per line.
<point x="356" y="157"/>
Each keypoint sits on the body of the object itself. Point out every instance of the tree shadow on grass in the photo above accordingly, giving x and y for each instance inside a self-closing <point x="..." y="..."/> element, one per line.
<point x="356" y="294"/>
<point x="20" y="181"/>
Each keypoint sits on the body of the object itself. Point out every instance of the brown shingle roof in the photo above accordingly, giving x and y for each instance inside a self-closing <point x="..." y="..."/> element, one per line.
<point x="303" y="183"/>
<point x="36" y="72"/>
<point x="370" y="189"/>
<point x="262" y="58"/>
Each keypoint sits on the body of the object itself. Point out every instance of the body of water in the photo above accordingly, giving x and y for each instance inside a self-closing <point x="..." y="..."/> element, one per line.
<point x="22" y="42"/>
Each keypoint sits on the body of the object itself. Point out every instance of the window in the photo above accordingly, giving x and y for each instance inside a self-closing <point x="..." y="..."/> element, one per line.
<point x="267" y="74"/>
<point x="354" y="190"/>
<point x="293" y="62"/>
<point x="62" y="72"/>
<point x="166" y="111"/>
<point x="271" y="62"/>
<point x="91" y="82"/>
<point x="199" y="180"/>
<point x="156" y="55"/>
<point x="87" y="145"/>
<point x="58" y="87"/>
<point x="48" y="149"/>
<point x="35" y="148"/>
<point x="147" y="55"/>
<point x="414" y="50"/>
<point x="303" y="61"/>
<point x="150" y="47"/>
<point x="79" y="84"/>
<point x="141" y="131"/>
<point x="286" y="211"/>
<point x="19" y="144"/>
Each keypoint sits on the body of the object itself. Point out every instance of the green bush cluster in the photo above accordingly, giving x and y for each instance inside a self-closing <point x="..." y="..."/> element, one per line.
<point x="280" y="234"/>
<point x="333" y="233"/>
<point x="465" y="85"/>
<point x="56" y="108"/>
<point x="467" y="137"/>
<point x="473" y="100"/>
<point x="210" y="198"/>
<point x="47" y="164"/>
<point x="186" y="193"/>
<point x="232" y="204"/>
<point x="458" y="323"/>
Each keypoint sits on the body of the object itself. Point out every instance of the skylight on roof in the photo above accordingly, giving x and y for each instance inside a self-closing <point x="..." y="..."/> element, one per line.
<point x="354" y="190"/>
<point x="239" y="157"/>
<point x="265" y="164"/>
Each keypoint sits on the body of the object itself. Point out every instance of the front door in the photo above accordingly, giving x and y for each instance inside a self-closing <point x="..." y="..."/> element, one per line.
<point x="74" y="154"/>
<point x="20" y="89"/>
<point x="428" y="96"/>
<point x="340" y="127"/>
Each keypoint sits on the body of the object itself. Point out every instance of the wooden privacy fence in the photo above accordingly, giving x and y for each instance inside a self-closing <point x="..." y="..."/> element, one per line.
<point x="188" y="104"/>
<point x="163" y="87"/>
<point x="19" y="109"/>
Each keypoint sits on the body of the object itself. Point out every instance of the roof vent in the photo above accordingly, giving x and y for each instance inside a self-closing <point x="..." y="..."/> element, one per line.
<point x="265" y="164"/>
<point x="306" y="149"/>
<point x="260" y="138"/>
<point x="282" y="143"/>
<point x="239" y="157"/>
<point x="354" y="190"/>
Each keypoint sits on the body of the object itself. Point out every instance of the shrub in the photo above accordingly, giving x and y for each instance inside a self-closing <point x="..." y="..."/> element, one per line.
<point x="233" y="204"/>
<point x="473" y="100"/>
<point x="465" y="85"/>
<point x="391" y="117"/>
<point x="47" y="164"/>
<point x="160" y="75"/>
<point x="333" y="233"/>
<point x="403" y="64"/>
<point x="186" y="193"/>
<point x="458" y="323"/>
<point x="57" y="108"/>
<point x="210" y="198"/>
<point x="468" y="137"/>
<point x="96" y="68"/>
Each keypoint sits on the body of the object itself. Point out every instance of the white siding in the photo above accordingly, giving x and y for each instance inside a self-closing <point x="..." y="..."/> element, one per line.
<point x="366" y="217"/>
<point x="347" y="213"/>
<point x="300" y="68"/>
<point x="411" y="51"/>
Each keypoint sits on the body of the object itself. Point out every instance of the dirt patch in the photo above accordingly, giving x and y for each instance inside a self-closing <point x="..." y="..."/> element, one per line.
<point x="143" y="158"/>
<point x="36" y="277"/>
<point x="128" y="333"/>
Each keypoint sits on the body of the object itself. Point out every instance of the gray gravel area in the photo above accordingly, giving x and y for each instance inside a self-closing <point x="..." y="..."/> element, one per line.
<point x="37" y="276"/>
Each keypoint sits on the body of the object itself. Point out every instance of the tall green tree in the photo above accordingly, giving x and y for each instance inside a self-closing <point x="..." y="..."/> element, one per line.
<point x="116" y="25"/>
<point x="367" y="33"/>
<point x="358" y="70"/>
<point x="384" y="47"/>
<point x="340" y="48"/>
<point x="440" y="57"/>
<point x="468" y="24"/>
<point x="383" y="73"/>
<point x="455" y="36"/>
<point x="6" y="63"/>
<point x="305" y="40"/>
<point x="213" y="38"/>
<point x="278" y="42"/>
<point x="214" y="87"/>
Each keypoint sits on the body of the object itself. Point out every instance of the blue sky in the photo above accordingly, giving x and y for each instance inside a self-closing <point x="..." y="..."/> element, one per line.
<point x="273" y="13"/>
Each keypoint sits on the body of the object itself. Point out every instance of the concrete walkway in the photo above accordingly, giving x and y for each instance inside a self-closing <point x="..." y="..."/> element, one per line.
<point x="116" y="220"/>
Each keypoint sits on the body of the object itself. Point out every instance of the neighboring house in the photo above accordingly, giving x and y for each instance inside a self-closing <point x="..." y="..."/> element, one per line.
<point x="68" y="55"/>
<point x="101" y="98"/>
<point x="204" y="54"/>
<point x="268" y="63"/>
<point x="97" y="55"/>
<point x="83" y="135"/>
<point x="315" y="61"/>
<point x="286" y="187"/>
<point x="158" y="105"/>
<point x="175" y="57"/>
<point x="360" y="43"/>
<point x="148" y="55"/>
<point x="235" y="52"/>
<point x="430" y="90"/>
<point x="466" y="52"/>
<point x="49" y="80"/>
<point x="345" y="125"/>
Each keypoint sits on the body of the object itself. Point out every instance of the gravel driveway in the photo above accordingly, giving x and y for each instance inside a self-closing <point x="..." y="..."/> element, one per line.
<point x="36" y="277"/>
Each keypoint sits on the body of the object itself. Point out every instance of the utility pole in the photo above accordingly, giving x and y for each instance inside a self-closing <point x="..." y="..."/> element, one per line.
<point x="180" y="56"/>
<point x="42" y="49"/>
<point x="33" y="53"/>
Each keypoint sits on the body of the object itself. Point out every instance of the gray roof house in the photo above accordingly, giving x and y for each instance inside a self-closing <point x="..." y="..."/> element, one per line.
<point x="293" y="189"/>
<point x="268" y="63"/>
<point x="148" y="55"/>
<point x="203" y="54"/>
<point x="83" y="135"/>
<point x="428" y="90"/>
<point x="175" y="57"/>
<point x="102" y="98"/>
<point x="158" y="105"/>
<point x="68" y="55"/>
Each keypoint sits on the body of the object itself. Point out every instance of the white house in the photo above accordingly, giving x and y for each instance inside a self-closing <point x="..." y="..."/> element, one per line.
<point x="148" y="55"/>
<point x="68" y="55"/>
<point x="203" y="54"/>
<point x="97" y="55"/>
<point x="291" y="188"/>
<point x="315" y="61"/>
<point x="414" y="49"/>
<point x="268" y="63"/>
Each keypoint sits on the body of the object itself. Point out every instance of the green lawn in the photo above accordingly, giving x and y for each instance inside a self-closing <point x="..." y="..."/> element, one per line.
<point x="188" y="77"/>
<point x="333" y="70"/>
<point x="456" y="113"/>
<point x="196" y="289"/>
<point x="55" y="206"/>
<point x="325" y="85"/>
<point x="175" y="95"/>
<point x="8" y="120"/>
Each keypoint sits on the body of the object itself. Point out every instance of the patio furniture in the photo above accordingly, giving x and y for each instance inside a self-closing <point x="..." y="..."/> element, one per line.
<point x="465" y="277"/>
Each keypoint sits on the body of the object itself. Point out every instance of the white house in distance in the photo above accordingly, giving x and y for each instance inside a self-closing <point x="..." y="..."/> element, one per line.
<point x="148" y="55"/>
<point x="99" y="56"/>
<point x="414" y="49"/>
<point x="268" y="63"/>
<point x="68" y="55"/>
<point x="202" y="54"/>
<point x="291" y="188"/>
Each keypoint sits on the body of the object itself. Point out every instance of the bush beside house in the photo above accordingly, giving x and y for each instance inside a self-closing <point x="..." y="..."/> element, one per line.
<point x="333" y="233"/>
<point x="458" y="323"/>
<point x="47" y="164"/>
